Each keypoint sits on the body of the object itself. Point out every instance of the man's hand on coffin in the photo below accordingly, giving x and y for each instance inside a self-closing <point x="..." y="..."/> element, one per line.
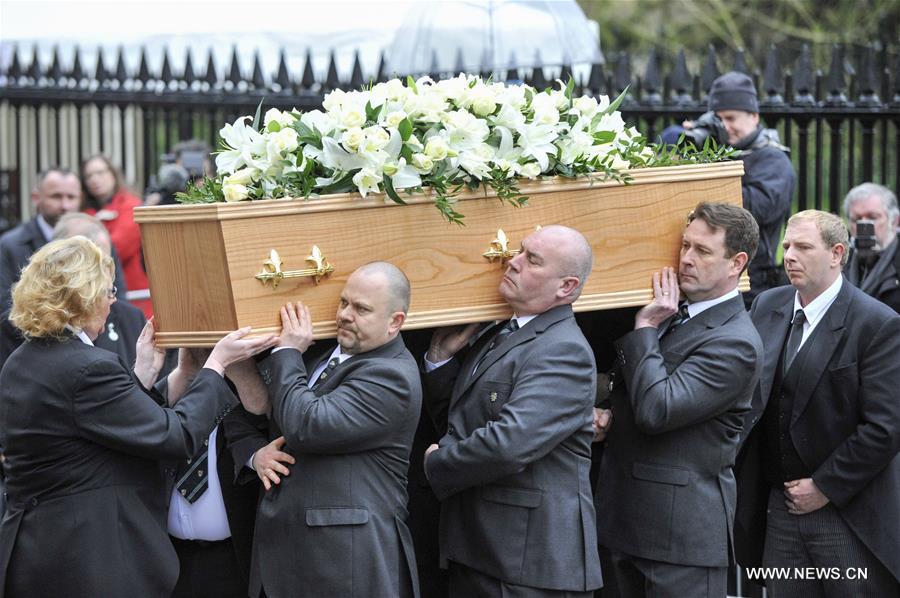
<point x="665" y="300"/>
<point x="296" y="327"/>
<point x="446" y="341"/>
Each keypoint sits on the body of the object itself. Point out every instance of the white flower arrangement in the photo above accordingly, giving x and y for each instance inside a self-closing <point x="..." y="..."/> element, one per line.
<point x="446" y="135"/>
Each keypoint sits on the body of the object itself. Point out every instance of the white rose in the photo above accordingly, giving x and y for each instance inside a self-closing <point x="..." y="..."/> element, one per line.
<point x="240" y="177"/>
<point x="333" y="100"/>
<point x="394" y="118"/>
<point x="376" y="138"/>
<point x="546" y="117"/>
<point x="482" y="101"/>
<point x="436" y="148"/>
<point x="586" y="105"/>
<point x="286" y="139"/>
<point x="235" y="192"/>
<point x="422" y="163"/>
<point x="531" y="170"/>
<point x="352" y="139"/>
<point x="352" y="116"/>
<point x="284" y="119"/>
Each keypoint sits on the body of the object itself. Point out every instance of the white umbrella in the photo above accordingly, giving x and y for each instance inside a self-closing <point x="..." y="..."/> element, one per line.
<point x="492" y="35"/>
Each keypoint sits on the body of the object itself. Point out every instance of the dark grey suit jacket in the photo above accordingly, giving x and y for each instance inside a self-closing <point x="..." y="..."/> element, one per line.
<point x="336" y="526"/>
<point x="513" y="468"/>
<point x="845" y="423"/>
<point x="666" y="489"/>
<point x="86" y="512"/>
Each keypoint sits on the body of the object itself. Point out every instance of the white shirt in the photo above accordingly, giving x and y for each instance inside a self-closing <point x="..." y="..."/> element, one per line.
<point x="695" y="309"/>
<point x="206" y="518"/>
<point x="520" y="320"/>
<point x="816" y="309"/>
<point x="82" y="336"/>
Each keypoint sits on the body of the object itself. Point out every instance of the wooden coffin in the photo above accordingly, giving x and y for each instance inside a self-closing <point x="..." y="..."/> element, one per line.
<point x="203" y="260"/>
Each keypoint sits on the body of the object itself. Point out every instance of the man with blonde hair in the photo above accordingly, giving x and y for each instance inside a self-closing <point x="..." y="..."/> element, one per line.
<point x="819" y="471"/>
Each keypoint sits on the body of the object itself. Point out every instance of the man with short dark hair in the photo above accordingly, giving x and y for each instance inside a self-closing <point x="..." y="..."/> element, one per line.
<point x="665" y="495"/>
<point x="819" y="472"/>
<point x="334" y="523"/>
<point x="876" y="270"/>
<point x="511" y="469"/>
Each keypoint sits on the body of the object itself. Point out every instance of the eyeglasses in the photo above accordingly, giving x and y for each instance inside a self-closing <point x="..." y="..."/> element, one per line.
<point x="111" y="292"/>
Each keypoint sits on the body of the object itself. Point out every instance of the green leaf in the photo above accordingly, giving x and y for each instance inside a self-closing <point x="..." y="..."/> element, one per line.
<point x="601" y="137"/>
<point x="258" y="114"/>
<point x="406" y="152"/>
<point x="372" y="113"/>
<point x="569" y="87"/>
<point x="614" y="105"/>
<point x="389" y="189"/>
<point x="341" y="185"/>
<point x="405" y="128"/>
<point x="273" y="126"/>
<point x="411" y="83"/>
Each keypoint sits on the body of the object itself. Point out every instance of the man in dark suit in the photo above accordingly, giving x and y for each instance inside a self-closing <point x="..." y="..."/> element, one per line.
<point x="56" y="193"/>
<point x="666" y="492"/>
<point x="336" y="525"/>
<point x="512" y="468"/>
<point x="875" y="270"/>
<point x="819" y="471"/>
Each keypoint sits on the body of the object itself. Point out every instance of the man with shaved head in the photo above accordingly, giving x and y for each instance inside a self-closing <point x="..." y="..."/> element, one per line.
<point x="511" y="469"/>
<point x="334" y="523"/>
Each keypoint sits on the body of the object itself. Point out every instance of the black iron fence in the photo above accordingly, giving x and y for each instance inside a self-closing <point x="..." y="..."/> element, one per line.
<point x="842" y="122"/>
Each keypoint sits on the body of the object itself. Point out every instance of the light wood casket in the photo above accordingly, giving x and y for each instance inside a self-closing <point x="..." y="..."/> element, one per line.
<point x="203" y="260"/>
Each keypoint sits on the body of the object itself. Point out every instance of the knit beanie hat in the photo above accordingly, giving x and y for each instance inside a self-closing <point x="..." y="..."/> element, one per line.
<point x="733" y="91"/>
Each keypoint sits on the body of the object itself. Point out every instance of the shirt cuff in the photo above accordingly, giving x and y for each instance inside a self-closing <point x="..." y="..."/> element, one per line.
<point x="249" y="462"/>
<point x="429" y="367"/>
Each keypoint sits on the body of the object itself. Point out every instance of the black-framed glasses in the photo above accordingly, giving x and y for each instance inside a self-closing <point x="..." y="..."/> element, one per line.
<point x="112" y="292"/>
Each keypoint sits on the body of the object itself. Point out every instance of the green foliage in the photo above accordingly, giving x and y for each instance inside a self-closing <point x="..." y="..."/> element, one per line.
<point x="209" y="191"/>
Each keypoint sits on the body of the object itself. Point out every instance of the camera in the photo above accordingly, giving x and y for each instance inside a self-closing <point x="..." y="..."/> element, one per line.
<point x="865" y="242"/>
<point x="708" y="126"/>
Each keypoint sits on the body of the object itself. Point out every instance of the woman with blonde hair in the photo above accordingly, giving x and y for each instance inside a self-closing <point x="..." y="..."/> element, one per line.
<point x="81" y="436"/>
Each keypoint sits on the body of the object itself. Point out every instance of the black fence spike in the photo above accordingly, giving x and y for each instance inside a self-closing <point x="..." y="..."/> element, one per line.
<point x="867" y="84"/>
<point x="681" y="80"/>
<point x="121" y="71"/>
<point x="512" y="73"/>
<point x="356" y="76"/>
<point x="652" y="82"/>
<point x="622" y="75"/>
<point x="188" y="75"/>
<point x="77" y="72"/>
<point x="331" y="80"/>
<point x="597" y="79"/>
<point x="211" y="77"/>
<point x="434" y="70"/>
<point x="804" y="79"/>
<point x="381" y="75"/>
<point x="538" y="80"/>
<point x="460" y="64"/>
<point x="144" y="70"/>
<point x="834" y="81"/>
<point x="487" y="69"/>
<point x="101" y="75"/>
<point x="740" y="62"/>
<point x="710" y="70"/>
<point x="282" y="77"/>
<point x="34" y="69"/>
<point x="14" y="70"/>
<point x="773" y="78"/>
<point x="234" y="72"/>
<point x="258" y="79"/>
<point x="308" y="80"/>
<point x="55" y="71"/>
<point x="565" y="73"/>
<point x="165" y="72"/>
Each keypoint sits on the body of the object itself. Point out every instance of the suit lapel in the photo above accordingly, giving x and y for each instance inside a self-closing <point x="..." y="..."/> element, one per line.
<point x="773" y="329"/>
<point x="818" y="355"/>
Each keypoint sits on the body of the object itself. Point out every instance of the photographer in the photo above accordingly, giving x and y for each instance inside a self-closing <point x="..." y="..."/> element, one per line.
<point x="874" y="259"/>
<point x="768" y="181"/>
<point x="189" y="161"/>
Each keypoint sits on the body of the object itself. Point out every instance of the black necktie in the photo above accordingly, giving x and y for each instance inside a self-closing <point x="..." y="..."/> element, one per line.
<point x="792" y="346"/>
<point x="678" y="319"/>
<point x="193" y="476"/>
<point x="507" y="329"/>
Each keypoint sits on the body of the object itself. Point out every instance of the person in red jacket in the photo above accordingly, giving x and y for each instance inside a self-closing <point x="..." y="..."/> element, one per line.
<point x="106" y="197"/>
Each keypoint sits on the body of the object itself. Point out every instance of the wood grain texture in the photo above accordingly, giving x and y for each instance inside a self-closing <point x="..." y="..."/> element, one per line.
<point x="203" y="266"/>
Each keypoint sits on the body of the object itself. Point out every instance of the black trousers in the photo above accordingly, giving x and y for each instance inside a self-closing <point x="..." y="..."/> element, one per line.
<point x="208" y="570"/>
<point x="820" y="556"/>
<point x="466" y="582"/>
<point x="627" y="576"/>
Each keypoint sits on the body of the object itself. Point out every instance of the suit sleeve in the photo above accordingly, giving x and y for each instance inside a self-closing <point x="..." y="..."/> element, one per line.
<point x="358" y="415"/>
<point x="705" y="384"/>
<point x="437" y="387"/>
<point x="245" y="433"/>
<point x="110" y="409"/>
<point x="551" y="400"/>
<point x="876" y="441"/>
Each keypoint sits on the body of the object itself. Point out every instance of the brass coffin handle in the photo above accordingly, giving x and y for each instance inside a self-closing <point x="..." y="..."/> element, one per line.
<point x="272" y="268"/>
<point x="500" y="248"/>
